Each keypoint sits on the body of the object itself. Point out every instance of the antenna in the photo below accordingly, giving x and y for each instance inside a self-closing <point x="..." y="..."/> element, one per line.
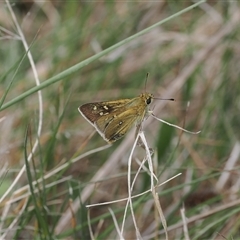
<point x="146" y="81"/>
<point x="168" y="99"/>
<point x="165" y="99"/>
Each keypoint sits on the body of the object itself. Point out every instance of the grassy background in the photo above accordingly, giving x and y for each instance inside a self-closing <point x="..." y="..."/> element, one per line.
<point x="193" y="57"/>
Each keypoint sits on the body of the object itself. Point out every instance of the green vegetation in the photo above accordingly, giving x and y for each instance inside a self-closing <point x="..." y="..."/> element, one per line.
<point x="53" y="166"/>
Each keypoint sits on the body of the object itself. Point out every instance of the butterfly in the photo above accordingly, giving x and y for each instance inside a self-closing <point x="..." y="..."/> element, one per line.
<point x="113" y="119"/>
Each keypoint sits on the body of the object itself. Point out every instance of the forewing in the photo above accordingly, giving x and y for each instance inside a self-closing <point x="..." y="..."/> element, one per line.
<point x="93" y="111"/>
<point x="114" y="118"/>
<point x="101" y="114"/>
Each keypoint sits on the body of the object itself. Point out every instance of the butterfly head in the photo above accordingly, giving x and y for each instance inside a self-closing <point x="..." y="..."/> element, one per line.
<point x="147" y="98"/>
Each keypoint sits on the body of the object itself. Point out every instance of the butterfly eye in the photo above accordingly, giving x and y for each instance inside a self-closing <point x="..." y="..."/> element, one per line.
<point x="148" y="101"/>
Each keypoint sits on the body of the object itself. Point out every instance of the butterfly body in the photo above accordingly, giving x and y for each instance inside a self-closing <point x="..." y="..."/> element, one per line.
<point x="112" y="119"/>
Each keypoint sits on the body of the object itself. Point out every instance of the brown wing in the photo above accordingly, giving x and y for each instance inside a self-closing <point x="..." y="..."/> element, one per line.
<point x="119" y="123"/>
<point x="114" y="118"/>
<point x="93" y="111"/>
